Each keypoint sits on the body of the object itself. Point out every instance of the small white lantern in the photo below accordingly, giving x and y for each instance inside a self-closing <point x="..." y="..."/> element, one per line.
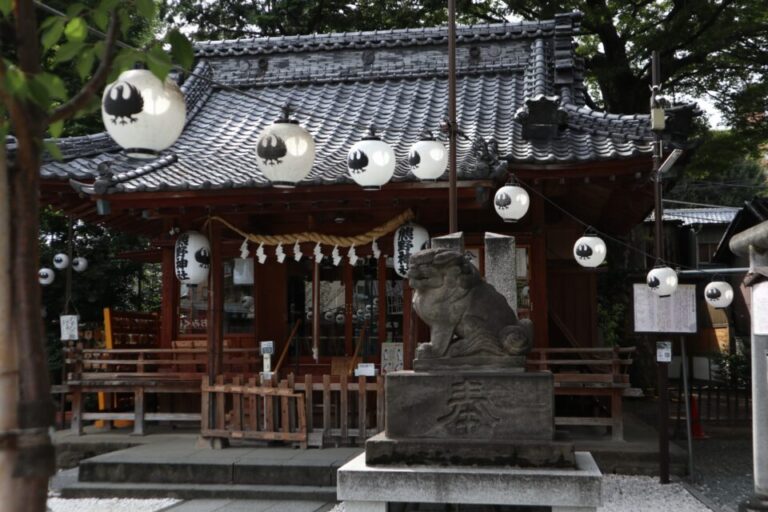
<point x="142" y="114"/>
<point x="409" y="239"/>
<point x="428" y="159"/>
<point x="589" y="251"/>
<point x="79" y="264"/>
<point x="285" y="152"/>
<point x="719" y="294"/>
<point x="45" y="276"/>
<point x="371" y="162"/>
<point x="511" y="202"/>
<point x="61" y="261"/>
<point x="662" y="281"/>
<point x="192" y="258"/>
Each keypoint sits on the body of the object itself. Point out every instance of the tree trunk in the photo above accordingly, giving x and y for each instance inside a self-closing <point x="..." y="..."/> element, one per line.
<point x="35" y="460"/>
<point x="9" y="374"/>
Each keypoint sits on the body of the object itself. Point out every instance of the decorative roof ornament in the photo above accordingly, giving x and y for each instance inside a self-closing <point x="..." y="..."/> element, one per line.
<point x="542" y="117"/>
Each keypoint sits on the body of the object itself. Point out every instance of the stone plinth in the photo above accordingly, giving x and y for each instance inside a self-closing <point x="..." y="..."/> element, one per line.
<point x="492" y="406"/>
<point x="370" y="488"/>
<point x="454" y="242"/>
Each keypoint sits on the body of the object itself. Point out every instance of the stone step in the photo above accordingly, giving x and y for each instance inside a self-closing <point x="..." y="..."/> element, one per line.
<point x="199" y="491"/>
<point x="269" y="472"/>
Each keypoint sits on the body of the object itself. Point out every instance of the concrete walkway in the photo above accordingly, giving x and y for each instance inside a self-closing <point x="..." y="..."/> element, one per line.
<point x="250" y="506"/>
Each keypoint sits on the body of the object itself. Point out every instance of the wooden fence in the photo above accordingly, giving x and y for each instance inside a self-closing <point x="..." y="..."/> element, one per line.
<point x="238" y="409"/>
<point x="314" y="412"/>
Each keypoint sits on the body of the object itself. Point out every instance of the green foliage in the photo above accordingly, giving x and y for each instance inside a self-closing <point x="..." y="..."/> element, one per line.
<point x="71" y="51"/>
<point x="734" y="369"/>
<point x="724" y="170"/>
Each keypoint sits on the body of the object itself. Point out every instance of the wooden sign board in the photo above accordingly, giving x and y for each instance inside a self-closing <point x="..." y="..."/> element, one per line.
<point x="674" y="314"/>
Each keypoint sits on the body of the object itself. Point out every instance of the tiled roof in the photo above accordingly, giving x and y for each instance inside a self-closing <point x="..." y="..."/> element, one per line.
<point x="690" y="216"/>
<point x="340" y="84"/>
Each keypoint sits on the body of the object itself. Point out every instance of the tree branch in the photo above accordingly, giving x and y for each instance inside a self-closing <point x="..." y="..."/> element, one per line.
<point x="81" y="99"/>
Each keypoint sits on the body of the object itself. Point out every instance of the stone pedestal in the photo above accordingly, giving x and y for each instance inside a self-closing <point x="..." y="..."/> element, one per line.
<point x="365" y="488"/>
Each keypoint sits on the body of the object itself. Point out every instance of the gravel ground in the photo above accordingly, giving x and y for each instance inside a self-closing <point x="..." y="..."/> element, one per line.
<point x="108" y="505"/>
<point x="723" y="472"/>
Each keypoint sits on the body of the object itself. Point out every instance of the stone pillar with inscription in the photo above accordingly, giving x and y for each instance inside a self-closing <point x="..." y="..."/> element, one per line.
<point x="501" y="266"/>
<point x="469" y="424"/>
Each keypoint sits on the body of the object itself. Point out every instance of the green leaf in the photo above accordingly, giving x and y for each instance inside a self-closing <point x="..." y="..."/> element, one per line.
<point x="181" y="49"/>
<point x="84" y="63"/>
<point x="50" y="20"/>
<point x="159" y="62"/>
<point x="6" y="6"/>
<point x="53" y="34"/>
<point x="146" y="8"/>
<point x="54" y="85"/>
<point x="53" y="149"/>
<point x="125" y="59"/>
<point x="56" y="129"/>
<point x="75" y="9"/>
<point x="39" y="93"/>
<point x="67" y="52"/>
<point x="76" y="30"/>
<point x="15" y="80"/>
<point x="101" y="19"/>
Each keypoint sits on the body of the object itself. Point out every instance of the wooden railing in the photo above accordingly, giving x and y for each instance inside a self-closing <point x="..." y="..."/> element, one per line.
<point x="139" y="372"/>
<point x="247" y="410"/>
<point x="590" y="372"/>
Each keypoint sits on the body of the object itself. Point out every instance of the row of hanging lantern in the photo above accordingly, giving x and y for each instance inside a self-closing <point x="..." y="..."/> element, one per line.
<point x="46" y="275"/>
<point x="146" y="116"/>
<point x="192" y="253"/>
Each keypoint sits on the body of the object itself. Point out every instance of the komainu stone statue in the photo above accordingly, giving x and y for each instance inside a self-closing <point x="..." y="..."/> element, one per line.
<point x="467" y="317"/>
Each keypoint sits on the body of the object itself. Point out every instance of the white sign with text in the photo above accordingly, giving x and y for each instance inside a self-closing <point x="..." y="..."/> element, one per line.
<point x="676" y="313"/>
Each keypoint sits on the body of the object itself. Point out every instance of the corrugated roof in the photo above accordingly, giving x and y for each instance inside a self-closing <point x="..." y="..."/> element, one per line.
<point x="690" y="216"/>
<point x="396" y="80"/>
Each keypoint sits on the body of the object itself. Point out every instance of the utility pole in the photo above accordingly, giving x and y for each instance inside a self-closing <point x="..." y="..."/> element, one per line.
<point x="453" y="222"/>
<point x="657" y="125"/>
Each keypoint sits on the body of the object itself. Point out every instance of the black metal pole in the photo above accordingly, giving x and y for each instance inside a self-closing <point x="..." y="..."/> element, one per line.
<point x="453" y="222"/>
<point x="662" y="368"/>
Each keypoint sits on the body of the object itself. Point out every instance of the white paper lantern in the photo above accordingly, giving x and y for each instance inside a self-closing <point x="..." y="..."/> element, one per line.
<point x="589" y="251"/>
<point x="79" y="264"/>
<point x="662" y="281"/>
<point x="719" y="294"/>
<point x="511" y="202"/>
<point x="142" y="114"/>
<point x="371" y="162"/>
<point x="428" y="159"/>
<point x="192" y="258"/>
<point x="285" y="152"/>
<point x="45" y="276"/>
<point x="61" y="261"/>
<point x="409" y="238"/>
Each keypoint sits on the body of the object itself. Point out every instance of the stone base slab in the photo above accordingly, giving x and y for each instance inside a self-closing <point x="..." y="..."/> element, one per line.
<point x="488" y="405"/>
<point x="373" y="487"/>
<point x="382" y="450"/>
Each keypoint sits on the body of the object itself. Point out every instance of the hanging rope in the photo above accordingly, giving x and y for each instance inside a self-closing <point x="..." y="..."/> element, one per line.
<point x="311" y="236"/>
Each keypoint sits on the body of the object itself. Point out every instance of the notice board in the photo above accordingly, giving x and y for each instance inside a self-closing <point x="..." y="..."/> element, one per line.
<point x="676" y="313"/>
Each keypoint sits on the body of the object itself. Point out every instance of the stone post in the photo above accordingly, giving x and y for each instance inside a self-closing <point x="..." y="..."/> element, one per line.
<point x="754" y="242"/>
<point x="500" y="266"/>
<point x="453" y="242"/>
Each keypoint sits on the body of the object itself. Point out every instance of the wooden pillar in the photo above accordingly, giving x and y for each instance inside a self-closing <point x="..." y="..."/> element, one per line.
<point x="316" y="310"/>
<point x="538" y="268"/>
<point x="381" y="282"/>
<point x="215" y="304"/>
<point x="347" y="279"/>
<point x="409" y="328"/>
<point x="170" y="299"/>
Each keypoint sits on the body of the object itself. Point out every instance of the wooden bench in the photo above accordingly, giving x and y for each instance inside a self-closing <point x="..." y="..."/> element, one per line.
<point x="593" y="372"/>
<point x="138" y="372"/>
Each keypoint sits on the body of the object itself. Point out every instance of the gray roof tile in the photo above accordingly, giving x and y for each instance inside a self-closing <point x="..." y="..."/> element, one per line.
<point x="337" y="95"/>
